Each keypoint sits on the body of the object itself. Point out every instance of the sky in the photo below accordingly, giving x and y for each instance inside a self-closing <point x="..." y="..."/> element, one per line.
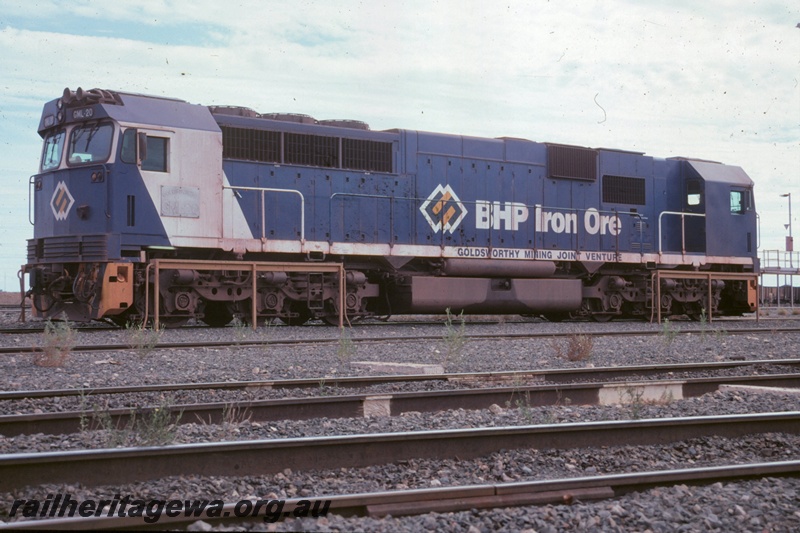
<point x="716" y="80"/>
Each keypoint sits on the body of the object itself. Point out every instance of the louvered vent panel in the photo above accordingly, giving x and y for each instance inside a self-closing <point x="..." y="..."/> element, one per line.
<point x="571" y="162"/>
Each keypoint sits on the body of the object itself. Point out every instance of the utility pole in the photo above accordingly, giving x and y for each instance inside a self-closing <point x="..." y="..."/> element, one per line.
<point x="790" y="239"/>
<point x="790" y="248"/>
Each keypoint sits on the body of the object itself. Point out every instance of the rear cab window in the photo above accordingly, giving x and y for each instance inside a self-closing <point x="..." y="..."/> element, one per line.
<point x="740" y="201"/>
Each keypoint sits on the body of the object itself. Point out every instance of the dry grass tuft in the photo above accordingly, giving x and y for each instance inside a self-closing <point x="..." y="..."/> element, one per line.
<point x="573" y="348"/>
<point x="59" y="340"/>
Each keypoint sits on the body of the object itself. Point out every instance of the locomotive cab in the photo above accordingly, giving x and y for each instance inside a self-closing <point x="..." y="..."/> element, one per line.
<point x="727" y="198"/>
<point x="714" y="216"/>
<point x="712" y="229"/>
<point x="111" y="190"/>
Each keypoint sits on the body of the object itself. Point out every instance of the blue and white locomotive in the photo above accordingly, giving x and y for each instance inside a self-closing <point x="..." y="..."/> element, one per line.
<point x="243" y="212"/>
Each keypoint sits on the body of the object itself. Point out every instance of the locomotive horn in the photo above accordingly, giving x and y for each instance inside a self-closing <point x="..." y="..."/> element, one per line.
<point x="68" y="97"/>
<point x="93" y="95"/>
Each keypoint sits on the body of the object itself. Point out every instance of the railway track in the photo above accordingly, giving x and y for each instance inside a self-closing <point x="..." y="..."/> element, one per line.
<point x="127" y="465"/>
<point x="478" y="386"/>
<point x="449" y="499"/>
<point x="37" y="326"/>
<point x="32" y="327"/>
<point x="264" y="457"/>
<point x="394" y="339"/>
<point x="395" y="404"/>
<point x="554" y="376"/>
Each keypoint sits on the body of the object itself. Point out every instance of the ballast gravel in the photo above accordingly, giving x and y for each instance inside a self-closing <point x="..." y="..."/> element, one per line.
<point x="513" y="414"/>
<point x="429" y="344"/>
<point x="758" y="505"/>
<point x="766" y="505"/>
<point x="769" y="504"/>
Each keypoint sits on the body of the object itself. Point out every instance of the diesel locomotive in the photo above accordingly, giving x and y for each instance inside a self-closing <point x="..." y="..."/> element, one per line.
<point x="149" y="206"/>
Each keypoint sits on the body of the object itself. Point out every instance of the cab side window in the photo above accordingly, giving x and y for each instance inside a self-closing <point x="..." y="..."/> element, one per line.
<point x="128" y="154"/>
<point x="694" y="193"/>
<point x="739" y="202"/>
<point x="154" y="151"/>
<point x="157" y="152"/>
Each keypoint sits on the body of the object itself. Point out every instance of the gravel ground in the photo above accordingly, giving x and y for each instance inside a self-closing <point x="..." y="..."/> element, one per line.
<point x="717" y="403"/>
<point x="133" y="367"/>
<point x="770" y="505"/>
<point x="765" y="505"/>
<point x="182" y="397"/>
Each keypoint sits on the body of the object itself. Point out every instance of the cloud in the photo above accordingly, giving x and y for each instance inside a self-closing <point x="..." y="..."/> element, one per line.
<point x="678" y="78"/>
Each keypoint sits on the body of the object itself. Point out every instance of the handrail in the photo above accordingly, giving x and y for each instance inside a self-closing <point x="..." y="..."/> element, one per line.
<point x="107" y="181"/>
<point x="530" y="207"/>
<point x="758" y="233"/>
<point x="683" y="227"/>
<point x="264" y="190"/>
<point x="780" y="259"/>
<point x="31" y="181"/>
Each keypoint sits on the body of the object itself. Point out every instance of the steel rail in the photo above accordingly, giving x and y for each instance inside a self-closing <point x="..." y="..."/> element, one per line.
<point x="570" y="489"/>
<point x="13" y="307"/>
<point x="129" y="465"/>
<point x="569" y="375"/>
<point x="398" y="338"/>
<point x="390" y="404"/>
<point x="100" y="327"/>
<point x="451" y="499"/>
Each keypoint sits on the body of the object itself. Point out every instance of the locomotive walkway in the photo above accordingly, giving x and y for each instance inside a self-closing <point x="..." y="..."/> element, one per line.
<point x="784" y="265"/>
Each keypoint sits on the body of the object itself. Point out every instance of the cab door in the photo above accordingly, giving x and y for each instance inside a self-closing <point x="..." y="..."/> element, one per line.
<point x="694" y="226"/>
<point x="182" y="171"/>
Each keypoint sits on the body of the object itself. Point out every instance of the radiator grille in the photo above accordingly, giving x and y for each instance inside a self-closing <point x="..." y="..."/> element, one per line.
<point x="313" y="150"/>
<point x="68" y="249"/>
<point x="305" y="149"/>
<point x="571" y="162"/>
<point x="251" y="145"/>
<point x="367" y="155"/>
<point x="624" y="190"/>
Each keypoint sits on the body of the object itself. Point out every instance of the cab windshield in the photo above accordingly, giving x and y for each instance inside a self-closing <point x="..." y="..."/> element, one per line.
<point x="90" y="143"/>
<point x="53" y="148"/>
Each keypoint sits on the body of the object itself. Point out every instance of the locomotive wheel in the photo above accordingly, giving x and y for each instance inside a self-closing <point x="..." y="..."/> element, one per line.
<point x="174" y="321"/>
<point x="332" y="316"/>
<point x="557" y="317"/>
<point x="331" y="320"/>
<point x="245" y="313"/>
<point x="302" y="313"/>
<point x="217" y="314"/>
<point x="122" y="320"/>
<point x="697" y="316"/>
<point x="602" y="317"/>
<point x="695" y="312"/>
